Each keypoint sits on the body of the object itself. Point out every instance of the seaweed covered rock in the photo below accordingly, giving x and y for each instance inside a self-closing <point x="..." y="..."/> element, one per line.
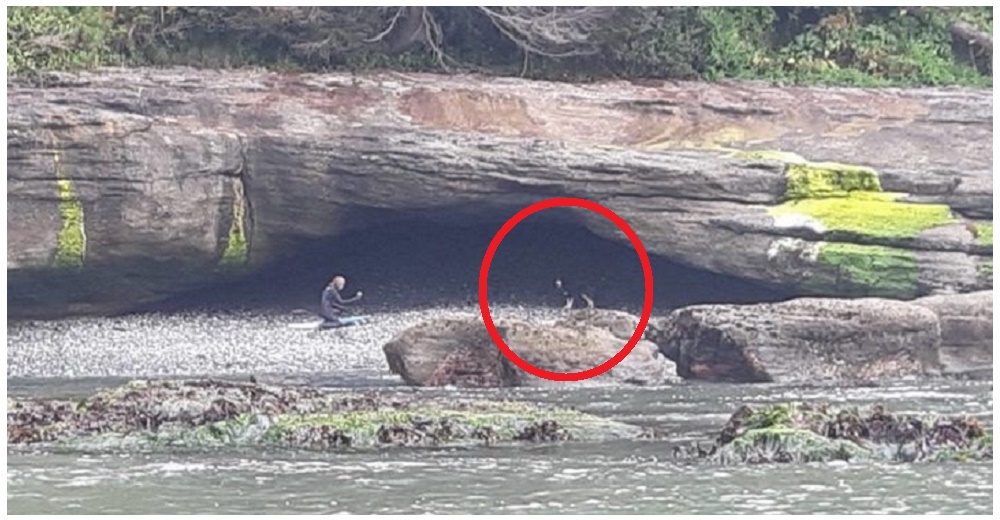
<point x="460" y="352"/>
<point x="966" y="330"/>
<point x="819" y="432"/>
<point x="215" y="413"/>
<point x="801" y="340"/>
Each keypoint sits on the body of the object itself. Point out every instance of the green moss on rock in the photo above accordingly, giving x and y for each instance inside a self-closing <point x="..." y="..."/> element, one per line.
<point x="874" y="215"/>
<point x="808" y="180"/>
<point x="859" y="270"/>
<point x="234" y="256"/>
<point x="71" y="241"/>
<point x="984" y="233"/>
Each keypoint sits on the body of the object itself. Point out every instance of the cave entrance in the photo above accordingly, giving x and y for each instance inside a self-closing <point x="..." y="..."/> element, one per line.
<point x="425" y="259"/>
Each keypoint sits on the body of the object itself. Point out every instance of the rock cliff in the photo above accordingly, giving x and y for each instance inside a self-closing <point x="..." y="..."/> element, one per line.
<point x="127" y="186"/>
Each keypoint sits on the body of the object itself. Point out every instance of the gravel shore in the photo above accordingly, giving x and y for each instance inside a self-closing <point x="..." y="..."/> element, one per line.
<point x="217" y="343"/>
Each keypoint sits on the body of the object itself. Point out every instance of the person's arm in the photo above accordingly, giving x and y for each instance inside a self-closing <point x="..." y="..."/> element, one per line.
<point x="341" y="300"/>
<point x="356" y="297"/>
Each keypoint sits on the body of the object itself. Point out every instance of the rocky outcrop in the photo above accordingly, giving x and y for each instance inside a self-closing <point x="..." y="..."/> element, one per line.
<point x="147" y="415"/>
<point x="801" y="340"/>
<point x="125" y="186"/>
<point x="819" y="432"/>
<point x="460" y="352"/>
<point x="966" y="330"/>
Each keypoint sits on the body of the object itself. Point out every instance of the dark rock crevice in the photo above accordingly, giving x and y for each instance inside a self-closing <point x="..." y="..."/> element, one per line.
<point x="415" y="259"/>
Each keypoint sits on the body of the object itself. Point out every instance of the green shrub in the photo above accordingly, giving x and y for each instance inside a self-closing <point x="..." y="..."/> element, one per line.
<point x="864" y="46"/>
<point x="66" y="38"/>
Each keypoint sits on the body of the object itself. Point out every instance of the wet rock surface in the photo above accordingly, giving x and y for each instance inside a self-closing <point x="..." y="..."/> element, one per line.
<point x="211" y="413"/>
<point x="460" y="352"/>
<point x="801" y="340"/>
<point x="821" y="432"/>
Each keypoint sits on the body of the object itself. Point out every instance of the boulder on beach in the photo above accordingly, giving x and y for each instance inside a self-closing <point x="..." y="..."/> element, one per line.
<point x="966" y="330"/>
<point x="204" y="414"/>
<point x="801" y="340"/>
<point x="460" y="351"/>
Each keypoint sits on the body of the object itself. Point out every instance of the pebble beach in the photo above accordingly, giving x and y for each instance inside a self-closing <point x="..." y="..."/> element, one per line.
<point x="217" y="343"/>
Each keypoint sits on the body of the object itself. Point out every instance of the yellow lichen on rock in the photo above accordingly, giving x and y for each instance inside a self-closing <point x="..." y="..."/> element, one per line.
<point x="876" y="215"/>
<point x="71" y="242"/>
<point x="809" y="180"/>
<point x="838" y="200"/>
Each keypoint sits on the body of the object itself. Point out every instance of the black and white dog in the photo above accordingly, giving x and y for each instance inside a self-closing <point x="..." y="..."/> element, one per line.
<point x="584" y="292"/>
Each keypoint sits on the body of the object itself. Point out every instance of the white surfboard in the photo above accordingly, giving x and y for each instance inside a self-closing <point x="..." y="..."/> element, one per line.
<point x="308" y="325"/>
<point x="346" y="322"/>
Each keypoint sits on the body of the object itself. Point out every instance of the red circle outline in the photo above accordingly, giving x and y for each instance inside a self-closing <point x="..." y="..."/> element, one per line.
<point x="647" y="304"/>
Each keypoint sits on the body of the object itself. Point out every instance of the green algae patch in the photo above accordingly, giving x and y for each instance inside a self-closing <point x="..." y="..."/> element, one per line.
<point x="876" y="215"/>
<point x="818" y="432"/>
<point x="808" y="180"/>
<point x="71" y="241"/>
<point x="860" y="270"/>
<point x="202" y="414"/>
<point x="845" y="204"/>
<point x="984" y="233"/>
<point x="234" y="256"/>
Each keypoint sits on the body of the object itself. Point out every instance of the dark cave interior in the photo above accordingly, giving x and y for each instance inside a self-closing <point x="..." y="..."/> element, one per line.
<point x="421" y="260"/>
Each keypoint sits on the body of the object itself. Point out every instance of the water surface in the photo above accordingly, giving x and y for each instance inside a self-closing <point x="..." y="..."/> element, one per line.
<point x="626" y="477"/>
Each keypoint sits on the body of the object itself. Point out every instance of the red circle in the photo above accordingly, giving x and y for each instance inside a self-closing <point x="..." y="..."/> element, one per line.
<point x="647" y="304"/>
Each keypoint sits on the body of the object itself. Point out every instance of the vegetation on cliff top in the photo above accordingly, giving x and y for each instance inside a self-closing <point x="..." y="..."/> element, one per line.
<point x="829" y="45"/>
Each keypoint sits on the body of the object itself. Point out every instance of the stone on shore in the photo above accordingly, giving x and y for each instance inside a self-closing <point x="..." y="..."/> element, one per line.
<point x="966" y="330"/>
<point x="801" y="340"/>
<point x="460" y="351"/>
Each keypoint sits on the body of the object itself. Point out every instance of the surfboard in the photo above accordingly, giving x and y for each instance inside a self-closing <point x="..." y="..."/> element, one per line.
<point x="315" y="324"/>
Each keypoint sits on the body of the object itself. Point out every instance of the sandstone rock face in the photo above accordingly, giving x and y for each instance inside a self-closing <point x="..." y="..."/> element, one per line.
<point x="460" y="352"/>
<point x="125" y="186"/>
<point x="801" y="340"/>
<point x="966" y="329"/>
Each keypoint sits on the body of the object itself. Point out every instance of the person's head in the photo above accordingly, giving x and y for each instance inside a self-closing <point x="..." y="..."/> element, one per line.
<point x="338" y="282"/>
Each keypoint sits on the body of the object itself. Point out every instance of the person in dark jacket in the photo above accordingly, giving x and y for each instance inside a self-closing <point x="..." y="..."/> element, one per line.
<point x="332" y="305"/>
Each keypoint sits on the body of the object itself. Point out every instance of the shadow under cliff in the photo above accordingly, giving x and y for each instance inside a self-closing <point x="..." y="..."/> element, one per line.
<point x="404" y="260"/>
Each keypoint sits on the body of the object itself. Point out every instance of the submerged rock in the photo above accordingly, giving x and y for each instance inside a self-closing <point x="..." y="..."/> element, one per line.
<point x="820" y="433"/>
<point x="460" y="352"/>
<point x="215" y="413"/>
<point x="801" y="340"/>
